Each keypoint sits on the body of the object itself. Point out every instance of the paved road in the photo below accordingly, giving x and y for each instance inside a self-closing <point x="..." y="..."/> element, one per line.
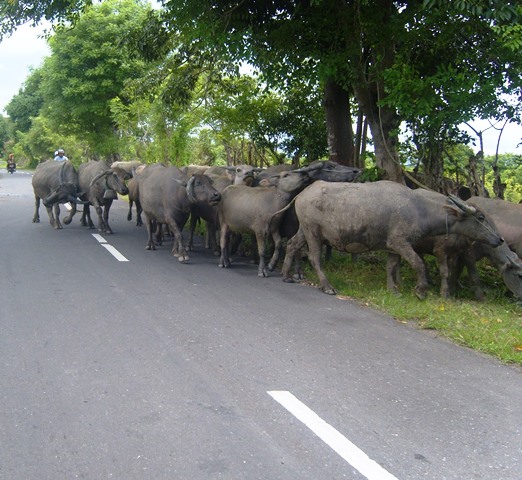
<point x="151" y="369"/>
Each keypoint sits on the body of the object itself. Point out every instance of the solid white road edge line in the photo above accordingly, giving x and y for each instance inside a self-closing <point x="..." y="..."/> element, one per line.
<point x="338" y="442"/>
<point x="115" y="252"/>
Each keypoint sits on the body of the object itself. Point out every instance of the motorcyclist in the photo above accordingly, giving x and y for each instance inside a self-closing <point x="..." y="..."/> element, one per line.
<point x="11" y="164"/>
<point x="60" y="155"/>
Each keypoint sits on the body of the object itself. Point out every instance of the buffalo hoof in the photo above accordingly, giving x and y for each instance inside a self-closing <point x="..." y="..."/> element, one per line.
<point x="288" y="280"/>
<point x="36" y="220"/>
<point x="329" y="291"/>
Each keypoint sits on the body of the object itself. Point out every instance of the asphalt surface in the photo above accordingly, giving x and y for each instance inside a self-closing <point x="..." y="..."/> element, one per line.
<point x="152" y="369"/>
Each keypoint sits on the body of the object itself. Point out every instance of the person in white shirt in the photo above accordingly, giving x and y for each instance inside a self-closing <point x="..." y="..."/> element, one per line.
<point x="60" y="155"/>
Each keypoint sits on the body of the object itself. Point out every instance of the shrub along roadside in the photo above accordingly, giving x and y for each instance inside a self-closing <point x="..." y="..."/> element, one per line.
<point x="492" y="326"/>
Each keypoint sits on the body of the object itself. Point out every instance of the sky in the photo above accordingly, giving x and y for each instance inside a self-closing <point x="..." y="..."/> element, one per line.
<point x="25" y="50"/>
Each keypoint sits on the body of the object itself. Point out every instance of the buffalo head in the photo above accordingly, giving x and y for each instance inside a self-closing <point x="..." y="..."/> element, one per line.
<point x="200" y="189"/>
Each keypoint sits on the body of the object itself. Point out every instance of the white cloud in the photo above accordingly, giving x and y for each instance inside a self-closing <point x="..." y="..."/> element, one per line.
<point x="18" y="53"/>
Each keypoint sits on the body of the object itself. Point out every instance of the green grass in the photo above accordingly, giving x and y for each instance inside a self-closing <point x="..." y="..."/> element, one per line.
<point x="492" y="326"/>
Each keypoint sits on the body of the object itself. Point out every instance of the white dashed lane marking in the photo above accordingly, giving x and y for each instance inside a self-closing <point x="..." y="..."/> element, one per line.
<point x="335" y="440"/>
<point x="117" y="255"/>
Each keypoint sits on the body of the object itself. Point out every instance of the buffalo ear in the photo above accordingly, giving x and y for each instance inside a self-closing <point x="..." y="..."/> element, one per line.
<point x="455" y="211"/>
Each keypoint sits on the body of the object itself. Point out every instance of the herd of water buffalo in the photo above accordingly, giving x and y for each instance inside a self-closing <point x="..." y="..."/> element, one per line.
<point x="317" y="205"/>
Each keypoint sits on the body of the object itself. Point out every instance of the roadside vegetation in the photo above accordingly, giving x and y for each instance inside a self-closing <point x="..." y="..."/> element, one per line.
<point x="492" y="326"/>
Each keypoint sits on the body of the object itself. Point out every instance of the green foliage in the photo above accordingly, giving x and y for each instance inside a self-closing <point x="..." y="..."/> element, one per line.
<point x="27" y="104"/>
<point x="87" y="70"/>
<point x="42" y="140"/>
<point x="510" y="168"/>
<point x="6" y="133"/>
<point x="16" y="13"/>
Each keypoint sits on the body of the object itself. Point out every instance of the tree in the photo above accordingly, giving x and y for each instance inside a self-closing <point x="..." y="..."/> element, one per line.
<point x="16" y="13"/>
<point x="355" y="49"/>
<point x="87" y="70"/>
<point x="27" y="104"/>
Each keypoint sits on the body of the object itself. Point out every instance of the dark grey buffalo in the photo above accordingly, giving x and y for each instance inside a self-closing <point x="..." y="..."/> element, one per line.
<point x="55" y="183"/>
<point x="453" y="252"/>
<point x="331" y="171"/>
<point x="166" y="196"/>
<point x="507" y="217"/>
<point x="134" y="199"/>
<point x="100" y="186"/>
<point x="247" y="209"/>
<point x="327" y="171"/>
<point x="381" y="215"/>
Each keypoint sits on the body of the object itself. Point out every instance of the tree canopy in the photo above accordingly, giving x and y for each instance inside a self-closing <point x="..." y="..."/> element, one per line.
<point x="127" y="71"/>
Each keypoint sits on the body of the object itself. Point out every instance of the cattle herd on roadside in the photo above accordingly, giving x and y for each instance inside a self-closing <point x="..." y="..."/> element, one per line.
<point x="321" y="204"/>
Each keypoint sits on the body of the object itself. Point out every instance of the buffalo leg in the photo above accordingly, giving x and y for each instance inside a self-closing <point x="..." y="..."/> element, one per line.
<point x="57" y="224"/>
<point x="261" y="240"/>
<point x="393" y="264"/>
<point x="86" y="220"/>
<point x="224" y="241"/>
<point x="129" y="215"/>
<point x="276" y="237"/>
<point x="106" y="210"/>
<point x="293" y="247"/>
<point x="315" y="249"/>
<point x="36" y="217"/>
<point x="139" y="210"/>
<point x="193" y="223"/>
<point x="151" y="229"/>
<point x="407" y="252"/>
<point x="68" y="219"/>
<point x="178" y="249"/>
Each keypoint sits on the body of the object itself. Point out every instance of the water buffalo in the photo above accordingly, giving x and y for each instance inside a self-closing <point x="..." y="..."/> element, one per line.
<point x="507" y="217"/>
<point x="328" y="171"/>
<point x="126" y="170"/>
<point x="235" y="175"/>
<point x="381" y="215"/>
<point x="244" y="208"/>
<point x="453" y="252"/>
<point x="134" y="199"/>
<point x="55" y="183"/>
<point x="100" y="185"/>
<point x="166" y="196"/>
<point x="331" y="171"/>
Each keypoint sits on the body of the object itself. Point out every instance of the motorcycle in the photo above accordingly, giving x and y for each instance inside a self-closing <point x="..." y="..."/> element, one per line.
<point x="11" y="167"/>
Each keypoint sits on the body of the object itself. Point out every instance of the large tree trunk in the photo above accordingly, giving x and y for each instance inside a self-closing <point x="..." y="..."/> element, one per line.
<point x="339" y="124"/>
<point x="383" y="128"/>
<point x="384" y="123"/>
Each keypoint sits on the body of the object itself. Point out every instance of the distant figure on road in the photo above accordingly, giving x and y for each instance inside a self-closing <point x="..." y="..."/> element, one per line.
<point x="60" y="156"/>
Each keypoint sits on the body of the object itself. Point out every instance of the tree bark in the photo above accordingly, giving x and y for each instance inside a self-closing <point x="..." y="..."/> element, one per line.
<point x="383" y="123"/>
<point x="339" y="124"/>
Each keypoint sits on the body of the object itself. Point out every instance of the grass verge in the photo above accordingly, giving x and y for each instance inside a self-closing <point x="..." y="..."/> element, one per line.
<point x="492" y="326"/>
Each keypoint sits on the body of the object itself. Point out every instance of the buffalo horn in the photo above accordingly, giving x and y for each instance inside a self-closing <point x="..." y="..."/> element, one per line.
<point x="60" y="174"/>
<point x="310" y="168"/>
<point x="190" y="188"/>
<point x="100" y="175"/>
<point x="74" y="199"/>
<point x="462" y="204"/>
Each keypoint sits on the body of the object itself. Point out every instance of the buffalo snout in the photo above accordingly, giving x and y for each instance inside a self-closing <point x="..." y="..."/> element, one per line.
<point x="215" y="198"/>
